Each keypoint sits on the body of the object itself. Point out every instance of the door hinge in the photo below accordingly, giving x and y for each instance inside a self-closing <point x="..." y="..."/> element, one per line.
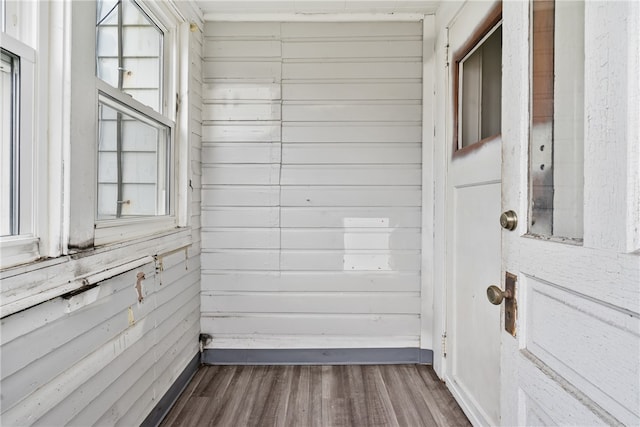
<point x="444" y="345"/>
<point x="446" y="49"/>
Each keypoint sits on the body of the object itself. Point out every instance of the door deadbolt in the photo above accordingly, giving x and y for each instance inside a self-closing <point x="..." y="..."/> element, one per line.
<point x="509" y="220"/>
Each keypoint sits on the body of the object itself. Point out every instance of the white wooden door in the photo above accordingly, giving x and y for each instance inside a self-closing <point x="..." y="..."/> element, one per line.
<point x="473" y="329"/>
<point x="473" y="261"/>
<point x="575" y="357"/>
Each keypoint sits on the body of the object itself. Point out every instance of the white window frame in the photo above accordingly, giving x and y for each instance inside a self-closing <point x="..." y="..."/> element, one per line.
<point x="112" y="230"/>
<point x="64" y="168"/>
<point x="83" y="229"/>
<point x="115" y="230"/>
<point x="24" y="246"/>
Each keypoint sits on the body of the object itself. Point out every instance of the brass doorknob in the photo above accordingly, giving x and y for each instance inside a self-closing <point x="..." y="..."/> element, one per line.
<point x="509" y="220"/>
<point x="495" y="295"/>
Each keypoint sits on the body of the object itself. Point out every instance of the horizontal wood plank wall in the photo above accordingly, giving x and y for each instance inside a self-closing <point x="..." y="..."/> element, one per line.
<point x="107" y="361"/>
<point x="311" y="185"/>
<point x="101" y="358"/>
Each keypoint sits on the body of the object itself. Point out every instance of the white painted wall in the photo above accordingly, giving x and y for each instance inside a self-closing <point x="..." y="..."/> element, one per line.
<point x="312" y="184"/>
<point x="101" y="357"/>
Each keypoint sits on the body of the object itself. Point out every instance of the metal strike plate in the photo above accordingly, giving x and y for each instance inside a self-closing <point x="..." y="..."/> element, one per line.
<point x="510" y="304"/>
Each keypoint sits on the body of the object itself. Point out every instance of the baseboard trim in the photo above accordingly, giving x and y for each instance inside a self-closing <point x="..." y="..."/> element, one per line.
<point x="165" y="404"/>
<point x="324" y="356"/>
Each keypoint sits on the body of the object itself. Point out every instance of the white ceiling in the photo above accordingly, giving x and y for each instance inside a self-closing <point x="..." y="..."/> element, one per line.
<point x="213" y="8"/>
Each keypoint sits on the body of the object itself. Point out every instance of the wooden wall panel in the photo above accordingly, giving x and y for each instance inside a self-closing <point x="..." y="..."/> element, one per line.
<point x="296" y="281"/>
<point x="351" y="238"/>
<point x="293" y="90"/>
<point x="350" y="111"/>
<point x="354" y="174"/>
<point x="351" y="195"/>
<point x="312" y="184"/>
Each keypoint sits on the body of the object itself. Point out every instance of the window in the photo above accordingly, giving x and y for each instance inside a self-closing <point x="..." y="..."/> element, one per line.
<point x="478" y="85"/>
<point x="135" y="134"/>
<point x="17" y="190"/>
<point x="132" y="163"/>
<point x="557" y="122"/>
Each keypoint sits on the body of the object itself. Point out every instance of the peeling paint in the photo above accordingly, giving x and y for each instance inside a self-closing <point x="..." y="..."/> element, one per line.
<point x="140" y="277"/>
<point x="130" y="317"/>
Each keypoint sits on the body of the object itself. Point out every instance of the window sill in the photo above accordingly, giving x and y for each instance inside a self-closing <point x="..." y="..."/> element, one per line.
<point x="34" y="283"/>
<point x="18" y="250"/>
<point x="114" y="231"/>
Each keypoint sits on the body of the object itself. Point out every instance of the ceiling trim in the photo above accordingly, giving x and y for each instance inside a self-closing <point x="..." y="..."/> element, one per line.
<point x="314" y="17"/>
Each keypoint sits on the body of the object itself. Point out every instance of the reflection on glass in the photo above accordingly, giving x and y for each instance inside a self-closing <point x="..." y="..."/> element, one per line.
<point x="129" y="50"/>
<point x="132" y="165"/>
<point x="557" y="122"/>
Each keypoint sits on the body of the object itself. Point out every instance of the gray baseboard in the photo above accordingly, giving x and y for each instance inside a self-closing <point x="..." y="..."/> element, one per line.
<point x="171" y="396"/>
<point x="332" y="356"/>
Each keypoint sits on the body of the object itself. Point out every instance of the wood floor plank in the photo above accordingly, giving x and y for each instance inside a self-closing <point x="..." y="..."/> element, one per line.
<point x="378" y="402"/>
<point x="176" y="410"/>
<point x="442" y="398"/>
<point x="302" y="407"/>
<point x="409" y="408"/>
<point x="216" y="390"/>
<point x="315" y="396"/>
<point x="356" y="392"/>
<point x="334" y="407"/>
<point x="415" y="381"/>
<point x="277" y="397"/>
<point x="192" y="411"/>
<point x="216" y="382"/>
<point x="238" y="399"/>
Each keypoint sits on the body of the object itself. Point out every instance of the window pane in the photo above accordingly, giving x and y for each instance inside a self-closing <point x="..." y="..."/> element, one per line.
<point x="480" y="90"/>
<point x="9" y="215"/>
<point x="129" y="51"/>
<point x="556" y="142"/>
<point x="133" y="154"/>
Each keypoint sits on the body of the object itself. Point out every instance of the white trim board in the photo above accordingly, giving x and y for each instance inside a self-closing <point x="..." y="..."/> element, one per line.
<point x="315" y="17"/>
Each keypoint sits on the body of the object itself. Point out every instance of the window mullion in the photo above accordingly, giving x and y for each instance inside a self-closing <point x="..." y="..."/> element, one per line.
<point x="121" y="70"/>
<point x="120" y="47"/>
<point x="119" y="183"/>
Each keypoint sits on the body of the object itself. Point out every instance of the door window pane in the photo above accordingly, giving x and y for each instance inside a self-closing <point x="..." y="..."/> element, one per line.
<point x="481" y="90"/>
<point x="557" y="122"/>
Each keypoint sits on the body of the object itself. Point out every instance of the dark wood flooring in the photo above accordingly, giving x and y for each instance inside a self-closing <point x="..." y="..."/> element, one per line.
<point x="351" y="395"/>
